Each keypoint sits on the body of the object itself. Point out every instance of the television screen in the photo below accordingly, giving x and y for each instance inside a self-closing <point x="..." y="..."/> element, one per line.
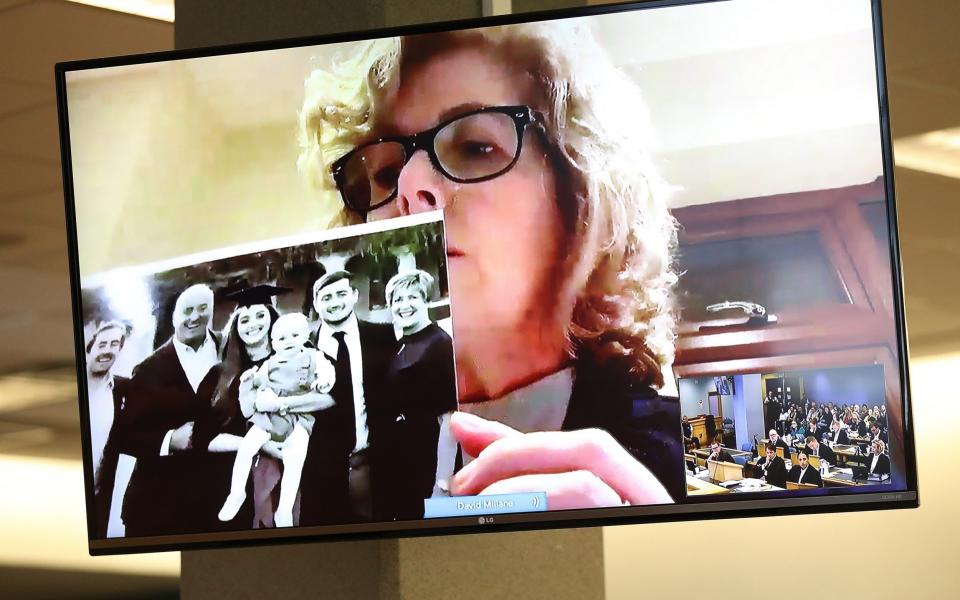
<point x="605" y="265"/>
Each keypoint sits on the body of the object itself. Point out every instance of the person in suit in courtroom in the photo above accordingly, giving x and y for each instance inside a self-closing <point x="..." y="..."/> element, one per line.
<point x="838" y="435"/>
<point x="773" y="468"/>
<point x="170" y="392"/>
<point x="803" y="471"/>
<point x="878" y="463"/>
<point x="815" y="429"/>
<point x="719" y="453"/>
<point x="821" y="450"/>
<point x="339" y="482"/>
<point x="876" y="433"/>
<point x="778" y="442"/>
<point x="105" y="399"/>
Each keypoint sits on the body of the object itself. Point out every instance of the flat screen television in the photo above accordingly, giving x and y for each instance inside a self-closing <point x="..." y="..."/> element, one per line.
<point x="605" y="265"/>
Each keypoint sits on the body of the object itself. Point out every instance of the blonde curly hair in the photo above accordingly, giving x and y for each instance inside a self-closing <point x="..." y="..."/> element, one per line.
<point x="619" y="273"/>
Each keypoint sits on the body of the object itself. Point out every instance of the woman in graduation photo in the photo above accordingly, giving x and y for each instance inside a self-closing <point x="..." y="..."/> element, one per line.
<point x="246" y="345"/>
<point x="559" y="245"/>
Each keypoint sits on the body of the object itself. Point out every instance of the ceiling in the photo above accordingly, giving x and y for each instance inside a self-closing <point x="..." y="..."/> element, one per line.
<point x="923" y="64"/>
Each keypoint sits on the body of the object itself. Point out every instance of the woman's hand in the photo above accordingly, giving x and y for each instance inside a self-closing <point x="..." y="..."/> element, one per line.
<point x="576" y="469"/>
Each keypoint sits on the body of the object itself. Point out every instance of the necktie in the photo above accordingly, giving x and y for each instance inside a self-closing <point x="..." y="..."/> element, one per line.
<point x="343" y="389"/>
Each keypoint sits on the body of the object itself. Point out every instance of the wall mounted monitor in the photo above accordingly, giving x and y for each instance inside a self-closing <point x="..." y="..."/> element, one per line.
<point x="608" y="265"/>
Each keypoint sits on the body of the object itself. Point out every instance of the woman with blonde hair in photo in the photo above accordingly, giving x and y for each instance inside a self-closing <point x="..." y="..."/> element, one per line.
<point x="559" y="245"/>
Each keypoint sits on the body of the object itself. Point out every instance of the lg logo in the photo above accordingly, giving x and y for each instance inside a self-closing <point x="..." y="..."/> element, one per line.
<point x="485" y="520"/>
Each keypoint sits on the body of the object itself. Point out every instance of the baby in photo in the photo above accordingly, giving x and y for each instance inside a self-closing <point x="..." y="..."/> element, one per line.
<point x="294" y="369"/>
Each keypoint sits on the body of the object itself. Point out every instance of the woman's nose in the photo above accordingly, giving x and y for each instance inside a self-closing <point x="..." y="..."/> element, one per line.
<point x="420" y="187"/>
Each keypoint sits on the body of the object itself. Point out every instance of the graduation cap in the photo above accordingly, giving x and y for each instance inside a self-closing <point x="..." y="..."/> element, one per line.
<point x="257" y="294"/>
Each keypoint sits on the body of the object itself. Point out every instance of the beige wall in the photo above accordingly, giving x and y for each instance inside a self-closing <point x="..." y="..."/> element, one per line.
<point x="883" y="554"/>
<point x="158" y="175"/>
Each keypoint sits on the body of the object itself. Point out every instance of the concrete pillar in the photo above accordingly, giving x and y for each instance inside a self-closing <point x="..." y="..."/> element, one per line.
<point x="552" y="565"/>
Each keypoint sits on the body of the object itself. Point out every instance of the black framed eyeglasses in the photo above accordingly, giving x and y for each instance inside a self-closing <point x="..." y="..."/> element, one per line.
<point x="473" y="147"/>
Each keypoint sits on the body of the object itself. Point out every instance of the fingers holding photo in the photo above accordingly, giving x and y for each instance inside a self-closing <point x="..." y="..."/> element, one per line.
<point x="504" y="454"/>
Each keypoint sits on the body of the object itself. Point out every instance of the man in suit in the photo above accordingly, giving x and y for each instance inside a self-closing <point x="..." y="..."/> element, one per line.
<point x="778" y="442"/>
<point x="170" y="392"/>
<point x="773" y="469"/>
<point x="876" y="433"/>
<point x="821" y="450"/>
<point x="719" y="453"/>
<point x="340" y="473"/>
<point x="803" y="472"/>
<point x="838" y="435"/>
<point x="105" y="399"/>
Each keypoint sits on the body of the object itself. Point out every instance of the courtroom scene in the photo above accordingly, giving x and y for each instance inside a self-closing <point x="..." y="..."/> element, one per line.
<point x="785" y="431"/>
<point x="303" y="384"/>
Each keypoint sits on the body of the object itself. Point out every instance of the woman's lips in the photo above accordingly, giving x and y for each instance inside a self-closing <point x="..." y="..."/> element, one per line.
<point x="453" y="252"/>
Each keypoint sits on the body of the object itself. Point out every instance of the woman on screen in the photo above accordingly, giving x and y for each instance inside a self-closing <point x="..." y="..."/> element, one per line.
<point x="247" y="345"/>
<point x="559" y="244"/>
<point x="423" y="395"/>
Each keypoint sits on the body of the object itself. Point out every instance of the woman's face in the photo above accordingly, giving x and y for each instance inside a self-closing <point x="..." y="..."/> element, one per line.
<point x="409" y="309"/>
<point x="503" y="235"/>
<point x="253" y="323"/>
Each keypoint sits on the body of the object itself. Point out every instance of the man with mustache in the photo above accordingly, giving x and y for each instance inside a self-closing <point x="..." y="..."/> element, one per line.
<point x="170" y="393"/>
<point x="105" y="397"/>
<point x="339" y="475"/>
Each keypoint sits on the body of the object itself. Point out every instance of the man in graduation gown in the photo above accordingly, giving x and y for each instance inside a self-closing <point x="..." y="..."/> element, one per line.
<point x="169" y="393"/>
<point x="339" y="481"/>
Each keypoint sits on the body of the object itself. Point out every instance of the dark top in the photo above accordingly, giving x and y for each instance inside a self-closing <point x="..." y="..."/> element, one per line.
<point x="883" y="465"/>
<point x="422" y="387"/>
<point x="608" y="397"/>
<point x="842" y="438"/>
<point x="325" y="484"/>
<point x="812" y="476"/>
<point x="782" y="444"/>
<point x="180" y="492"/>
<point x="826" y="453"/>
<point x="107" y="475"/>
<point x="722" y="456"/>
<point x="776" y="473"/>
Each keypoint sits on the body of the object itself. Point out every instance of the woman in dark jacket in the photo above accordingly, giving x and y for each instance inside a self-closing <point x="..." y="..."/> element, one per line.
<point x="423" y="395"/>
<point x="558" y="239"/>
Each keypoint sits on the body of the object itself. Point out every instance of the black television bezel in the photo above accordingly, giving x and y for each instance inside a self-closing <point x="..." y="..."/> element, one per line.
<point x="756" y="506"/>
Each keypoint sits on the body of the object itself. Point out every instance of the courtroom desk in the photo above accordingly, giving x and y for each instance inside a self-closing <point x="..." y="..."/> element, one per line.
<point x="698" y="427"/>
<point x="701" y="487"/>
<point x="753" y="486"/>
<point x="845" y="452"/>
<point x="703" y="453"/>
